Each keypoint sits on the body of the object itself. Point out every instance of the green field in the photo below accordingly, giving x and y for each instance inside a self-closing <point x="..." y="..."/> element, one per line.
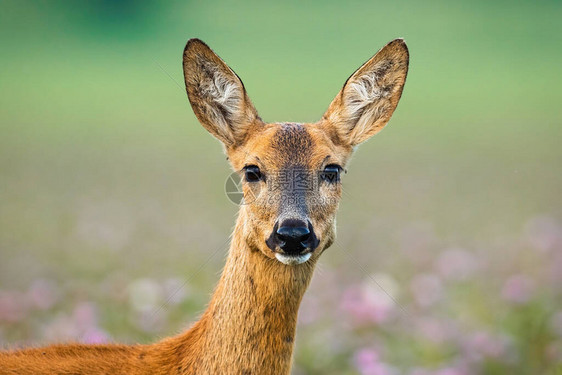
<point x="113" y="218"/>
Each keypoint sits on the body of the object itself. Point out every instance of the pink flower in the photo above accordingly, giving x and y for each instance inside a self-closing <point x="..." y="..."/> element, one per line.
<point x="84" y="316"/>
<point x="427" y="289"/>
<point x="434" y="330"/>
<point x="518" y="289"/>
<point x="368" y="303"/>
<point x="61" y="328"/>
<point x="95" y="336"/>
<point x="367" y="362"/>
<point x="456" y="264"/>
<point x="483" y="344"/>
<point x="366" y="357"/>
<point x="451" y="371"/>
<point x="42" y="294"/>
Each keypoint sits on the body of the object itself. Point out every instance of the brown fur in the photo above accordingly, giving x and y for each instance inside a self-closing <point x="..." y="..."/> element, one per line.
<point x="249" y="325"/>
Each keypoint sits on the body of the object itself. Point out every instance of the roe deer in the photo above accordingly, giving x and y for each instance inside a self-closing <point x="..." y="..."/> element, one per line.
<point x="291" y="184"/>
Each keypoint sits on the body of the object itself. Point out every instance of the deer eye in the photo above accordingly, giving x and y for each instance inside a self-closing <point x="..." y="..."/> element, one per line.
<point x="331" y="173"/>
<point x="252" y="173"/>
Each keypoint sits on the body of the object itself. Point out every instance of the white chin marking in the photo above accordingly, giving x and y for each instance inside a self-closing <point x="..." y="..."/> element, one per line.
<point x="293" y="259"/>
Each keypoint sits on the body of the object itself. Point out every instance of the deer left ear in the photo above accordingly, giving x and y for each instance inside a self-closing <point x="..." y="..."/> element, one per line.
<point x="217" y="95"/>
<point x="368" y="98"/>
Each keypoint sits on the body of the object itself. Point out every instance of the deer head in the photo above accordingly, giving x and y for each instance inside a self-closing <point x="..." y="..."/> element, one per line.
<point x="291" y="172"/>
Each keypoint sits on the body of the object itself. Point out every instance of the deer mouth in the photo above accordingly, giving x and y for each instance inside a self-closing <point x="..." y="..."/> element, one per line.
<point x="292" y="241"/>
<point x="293" y="259"/>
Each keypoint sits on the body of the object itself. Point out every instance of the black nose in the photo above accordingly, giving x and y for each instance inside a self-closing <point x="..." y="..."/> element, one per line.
<point x="293" y="236"/>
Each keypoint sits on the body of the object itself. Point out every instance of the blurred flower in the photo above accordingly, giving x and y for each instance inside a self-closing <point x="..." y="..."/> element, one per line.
<point x="434" y="330"/>
<point x="42" y="294"/>
<point x="146" y="298"/>
<point x="13" y="307"/>
<point x="366" y="360"/>
<point x="61" y="328"/>
<point x="370" y="301"/>
<point x="518" y="289"/>
<point x="427" y="289"/>
<point x="451" y="371"/>
<point x="456" y="264"/>
<point x="385" y="282"/>
<point x="80" y="326"/>
<point x="482" y="344"/>
<point x="176" y="290"/>
<point x="85" y="316"/>
<point x="144" y="295"/>
<point x="543" y="232"/>
<point x="95" y="336"/>
<point x="151" y="321"/>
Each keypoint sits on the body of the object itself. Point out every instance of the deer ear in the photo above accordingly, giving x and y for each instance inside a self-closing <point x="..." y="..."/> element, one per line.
<point x="368" y="98"/>
<point x="216" y="94"/>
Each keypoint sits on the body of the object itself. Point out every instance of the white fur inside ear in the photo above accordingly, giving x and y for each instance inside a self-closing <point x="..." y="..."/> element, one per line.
<point x="222" y="95"/>
<point x="366" y="101"/>
<point x="292" y="259"/>
<point x="221" y="90"/>
<point x="363" y="92"/>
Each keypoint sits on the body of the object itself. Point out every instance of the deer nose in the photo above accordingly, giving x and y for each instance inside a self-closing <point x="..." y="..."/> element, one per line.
<point x="293" y="236"/>
<point x="290" y="234"/>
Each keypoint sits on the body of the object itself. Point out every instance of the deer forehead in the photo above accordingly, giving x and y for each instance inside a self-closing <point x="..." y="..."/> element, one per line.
<point x="288" y="145"/>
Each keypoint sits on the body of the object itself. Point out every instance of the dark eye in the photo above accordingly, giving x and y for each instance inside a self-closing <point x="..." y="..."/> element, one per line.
<point x="252" y="173"/>
<point x="331" y="173"/>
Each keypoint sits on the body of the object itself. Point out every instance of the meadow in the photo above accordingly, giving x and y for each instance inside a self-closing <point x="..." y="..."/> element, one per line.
<point x="114" y="223"/>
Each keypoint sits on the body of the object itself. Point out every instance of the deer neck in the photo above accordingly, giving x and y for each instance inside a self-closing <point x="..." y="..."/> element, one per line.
<point x="251" y="320"/>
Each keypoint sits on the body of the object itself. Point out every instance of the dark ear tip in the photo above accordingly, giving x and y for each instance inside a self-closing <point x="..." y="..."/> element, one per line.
<point x="398" y="47"/>
<point x="399" y="43"/>
<point x="193" y="44"/>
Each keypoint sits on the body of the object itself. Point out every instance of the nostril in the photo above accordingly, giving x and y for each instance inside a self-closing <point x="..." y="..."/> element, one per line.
<point x="293" y="237"/>
<point x="293" y="234"/>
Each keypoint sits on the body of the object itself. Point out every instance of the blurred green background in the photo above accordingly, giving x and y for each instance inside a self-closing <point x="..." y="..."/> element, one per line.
<point x="113" y="218"/>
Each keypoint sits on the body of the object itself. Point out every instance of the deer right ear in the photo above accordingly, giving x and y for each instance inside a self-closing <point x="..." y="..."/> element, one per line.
<point x="368" y="98"/>
<point x="216" y="94"/>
